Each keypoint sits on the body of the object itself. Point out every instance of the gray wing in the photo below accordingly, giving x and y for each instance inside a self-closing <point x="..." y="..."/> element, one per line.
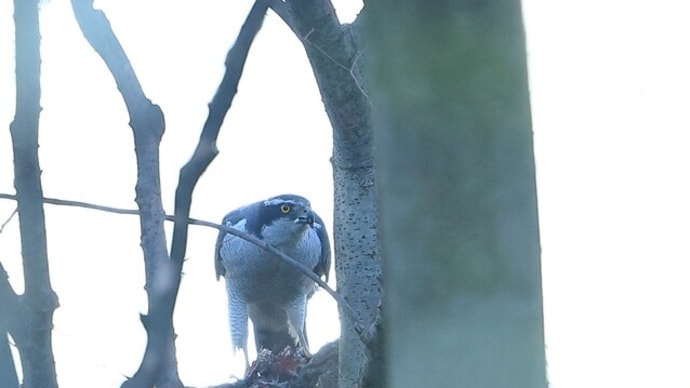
<point x="323" y="268"/>
<point x="231" y="218"/>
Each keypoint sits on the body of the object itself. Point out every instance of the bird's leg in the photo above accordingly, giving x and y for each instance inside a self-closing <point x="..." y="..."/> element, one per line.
<point x="246" y="359"/>
<point x="296" y="314"/>
<point x="305" y="347"/>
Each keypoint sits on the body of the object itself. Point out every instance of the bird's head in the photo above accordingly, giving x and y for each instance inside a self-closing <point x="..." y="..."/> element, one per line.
<point x="284" y="218"/>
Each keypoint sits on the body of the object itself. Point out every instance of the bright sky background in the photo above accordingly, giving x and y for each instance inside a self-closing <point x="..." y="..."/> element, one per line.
<point x="610" y="95"/>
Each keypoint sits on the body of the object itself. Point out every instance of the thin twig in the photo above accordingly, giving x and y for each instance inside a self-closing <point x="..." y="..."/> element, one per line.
<point x="280" y="8"/>
<point x="355" y="78"/>
<point x="2" y="227"/>
<point x="86" y="205"/>
<point x="282" y="11"/>
<point x="245" y="236"/>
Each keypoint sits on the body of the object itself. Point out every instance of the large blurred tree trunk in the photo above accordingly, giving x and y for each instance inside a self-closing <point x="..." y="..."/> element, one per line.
<point x="456" y="194"/>
<point x="334" y="54"/>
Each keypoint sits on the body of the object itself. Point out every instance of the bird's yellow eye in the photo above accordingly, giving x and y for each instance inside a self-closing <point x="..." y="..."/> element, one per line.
<point x="285" y="209"/>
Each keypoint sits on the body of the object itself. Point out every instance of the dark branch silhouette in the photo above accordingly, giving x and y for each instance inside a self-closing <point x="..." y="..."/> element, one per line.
<point x="163" y="283"/>
<point x="30" y="319"/>
<point x="206" y="149"/>
<point x="205" y="152"/>
<point x="159" y="364"/>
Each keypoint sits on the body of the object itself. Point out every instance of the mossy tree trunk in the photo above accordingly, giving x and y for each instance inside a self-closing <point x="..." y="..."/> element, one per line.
<point x="456" y="194"/>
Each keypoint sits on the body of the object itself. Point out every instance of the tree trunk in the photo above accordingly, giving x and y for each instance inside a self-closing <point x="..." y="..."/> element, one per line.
<point x="334" y="56"/>
<point x="457" y="196"/>
<point x="32" y="321"/>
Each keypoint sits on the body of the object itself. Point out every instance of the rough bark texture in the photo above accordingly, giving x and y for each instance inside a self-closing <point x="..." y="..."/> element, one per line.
<point x="334" y="54"/>
<point x="457" y="194"/>
<point x="31" y="321"/>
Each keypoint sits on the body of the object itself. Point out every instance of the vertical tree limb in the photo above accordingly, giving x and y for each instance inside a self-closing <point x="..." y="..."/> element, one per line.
<point x="162" y="302"/>
<point x="333" y="52"/>
<point x="206" y="149"/>
<point x="159" y="365"/>
<point x="32" y="326"/>
<point x="163" y="276"/>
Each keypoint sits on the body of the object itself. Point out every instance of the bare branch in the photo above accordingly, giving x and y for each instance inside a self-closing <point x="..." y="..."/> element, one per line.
<point x="86" y="205"/>
<point x="159" y="365"/>
<point x="97" y="31"/>
<point x="206" y="149"/>
<point x="32" y="319"/>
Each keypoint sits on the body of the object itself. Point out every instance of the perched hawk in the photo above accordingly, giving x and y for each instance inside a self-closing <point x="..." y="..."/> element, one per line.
<point x="259" y="284"/>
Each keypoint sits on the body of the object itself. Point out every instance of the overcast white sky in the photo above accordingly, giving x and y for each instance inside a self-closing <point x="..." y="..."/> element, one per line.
<point x="610" y="94"/>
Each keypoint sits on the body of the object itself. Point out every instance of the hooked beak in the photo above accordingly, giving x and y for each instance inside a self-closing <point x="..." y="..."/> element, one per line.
<point x="307" y="218"/>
